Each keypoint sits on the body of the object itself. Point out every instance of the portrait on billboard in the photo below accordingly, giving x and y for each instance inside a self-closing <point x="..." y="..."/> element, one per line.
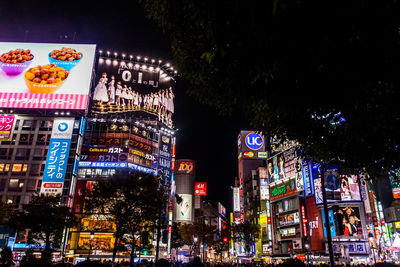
<point x="125" y="87"/>
<point x="348" y="221"/>
<point x="43" y="75"/>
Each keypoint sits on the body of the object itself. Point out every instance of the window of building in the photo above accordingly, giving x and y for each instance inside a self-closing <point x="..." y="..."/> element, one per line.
<point x="43" y="139"/>
<point x="13" y="184"/>
<point x="19" y="168"/>
<point x="31" y="184"/>
<point x="28" y="124"/>
<point x="35" y="169"/>
<point x="16" y="124"/>
<point x="2" y="184"/>
<point x="45" y="125"/>
<point x="22" y="153"/>
<point x="26" y="139"/>
<point x="5" y="153"/>
<point x="4" y="168"/>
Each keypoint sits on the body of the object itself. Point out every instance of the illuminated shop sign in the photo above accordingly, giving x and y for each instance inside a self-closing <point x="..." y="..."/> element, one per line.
<point x="221" y="209"/>
<point x="254" y="141"/>
<point x="304" y="219"/>
<point x="186" y="166"/>
<point x="6" y="127"/>
<point x="351" y="247"/>
<point x="88" y="164"/>
<point x="200" y="189"/>
<point x="283" y="190"/>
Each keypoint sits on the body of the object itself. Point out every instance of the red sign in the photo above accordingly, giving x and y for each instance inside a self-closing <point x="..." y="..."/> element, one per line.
<point x="200" y="189"/>
<point x="314" y="221"/>
<point x="303" y="217"/>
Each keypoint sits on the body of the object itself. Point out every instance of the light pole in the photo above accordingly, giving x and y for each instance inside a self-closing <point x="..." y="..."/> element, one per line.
<point x="91" y="243"/>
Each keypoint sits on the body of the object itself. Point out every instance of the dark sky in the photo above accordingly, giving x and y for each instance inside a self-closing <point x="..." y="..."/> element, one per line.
<point x="121" y="26"/>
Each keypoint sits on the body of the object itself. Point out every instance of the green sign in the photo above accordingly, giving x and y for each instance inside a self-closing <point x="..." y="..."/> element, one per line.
<point x="282" y="190"/>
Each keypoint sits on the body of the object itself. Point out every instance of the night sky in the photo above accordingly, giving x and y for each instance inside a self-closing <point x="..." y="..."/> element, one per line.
<point x="122" y="27"/>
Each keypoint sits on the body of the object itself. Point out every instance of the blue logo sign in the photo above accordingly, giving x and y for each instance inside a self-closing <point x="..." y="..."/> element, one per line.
<point x="254" y="141"/>
<point x="62" y="127"/>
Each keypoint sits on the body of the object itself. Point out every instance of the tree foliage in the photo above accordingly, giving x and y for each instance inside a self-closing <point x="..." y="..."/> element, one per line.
<point x="318" y="72"/>
<point x="132" y="201"/>
<point x="46" y="219"/>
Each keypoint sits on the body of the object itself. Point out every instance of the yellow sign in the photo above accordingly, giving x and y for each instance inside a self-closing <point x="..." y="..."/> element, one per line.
<point x="397" y="224"/>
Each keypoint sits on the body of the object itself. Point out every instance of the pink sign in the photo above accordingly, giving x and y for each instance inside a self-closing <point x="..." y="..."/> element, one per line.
<point x="6" y="127"/>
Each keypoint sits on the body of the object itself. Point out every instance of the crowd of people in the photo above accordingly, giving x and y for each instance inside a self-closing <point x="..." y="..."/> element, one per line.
<point x="112" y="93"/>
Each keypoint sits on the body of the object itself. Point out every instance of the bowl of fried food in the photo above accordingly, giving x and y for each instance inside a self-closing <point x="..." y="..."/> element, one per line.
<point x="66" y="58"/>
<point x="16" y="61"/>
<point x="45" y="79"/>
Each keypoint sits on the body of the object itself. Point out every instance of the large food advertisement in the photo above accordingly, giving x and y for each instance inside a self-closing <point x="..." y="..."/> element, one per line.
<point x="45" y="76"/>
<point x="125" y="86"/>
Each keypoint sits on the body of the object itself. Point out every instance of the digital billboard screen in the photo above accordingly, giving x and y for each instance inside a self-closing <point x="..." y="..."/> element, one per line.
<point x="45" y="76"/>
<point x="127" y="86"/>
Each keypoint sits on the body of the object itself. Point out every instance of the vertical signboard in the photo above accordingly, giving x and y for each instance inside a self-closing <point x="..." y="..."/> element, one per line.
<point x="264" y="191"/>
<point x="314" y="224"/>
<point x="57" y="157"/>
<point x="6" y="127"/>
<point x="221" y="209"/>
<point x="236" y="199"/>
<point x="164" y="158"/>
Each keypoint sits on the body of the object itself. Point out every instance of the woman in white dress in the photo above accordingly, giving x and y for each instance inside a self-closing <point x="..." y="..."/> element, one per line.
<point x="155" y="102"/>
<point x="130" y="97"/>
<point x="118" y="93"/>
<point x="165" y="103"/>
<point x="170" y="104"/>
<point x="140" y="102"/>
<point x="124" y="95"/>
<point x="100" y="92"/>
<point x="136" y="100"/>
<point x="111" y="90"/>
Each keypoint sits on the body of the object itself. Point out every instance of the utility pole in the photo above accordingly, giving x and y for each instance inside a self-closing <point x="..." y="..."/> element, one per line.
<point x="326" y="214"/>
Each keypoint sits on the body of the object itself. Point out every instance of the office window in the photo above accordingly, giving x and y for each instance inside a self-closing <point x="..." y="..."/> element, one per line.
<point x="5" y="153"/>
<point x="31" y="184"/>
<point x="19" y="168"/>
<point x="35" y="169"/>
<point x="45" y="125"/>
<point x="28" y="124"/>
<point x="16" y="124"/>
<point x="2" y="184"/>
<point x="4" y="168"/>
<point x="22" y="153"/>
<point x="43" y="139"/>
<point x="26" y="139"/>
<point x="13" y="184"/>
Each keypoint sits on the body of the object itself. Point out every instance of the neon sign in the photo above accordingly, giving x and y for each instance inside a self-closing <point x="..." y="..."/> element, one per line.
<point x="283" y="190"/>
<point x="186" y="166"/>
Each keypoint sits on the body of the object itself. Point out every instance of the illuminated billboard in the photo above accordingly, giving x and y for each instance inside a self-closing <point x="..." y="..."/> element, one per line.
<point x="6" y="127"/>
<point x="45" y="76"/>
<point x="125" y="86"/>
<point x="57" y="156"/>
<point x="221" y="209"/>
<point x="236" y="199"/>
<point x="184" y="208"/>
<point x="200" y="189"/>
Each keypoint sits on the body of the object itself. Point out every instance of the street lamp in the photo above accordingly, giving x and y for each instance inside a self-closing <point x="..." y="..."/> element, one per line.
<point x="371" y="245"/>
<point x="91" y="243"/>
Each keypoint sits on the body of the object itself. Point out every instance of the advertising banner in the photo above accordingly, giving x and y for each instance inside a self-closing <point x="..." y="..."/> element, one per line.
<point x="6" y="127"/>
<point x="221" y="209"/>
<point x="57" y="157"/>
<point x="264" y="190"/>
<point x="349" y="221"/>
<point x="200" y="189"/>
<point x="45" y="76"/>
<point x="251" y="145"/>
<point x="184" y="209"/>
<point x="125" y="86"/>
<point x="314" y="224"/>
<point x="348" y="248"/>
<point x="236" y="199"/>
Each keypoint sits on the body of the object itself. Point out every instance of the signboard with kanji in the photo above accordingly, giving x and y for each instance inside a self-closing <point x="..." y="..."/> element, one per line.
<point x="57" y="157"/>
<point x="6" y="127"/>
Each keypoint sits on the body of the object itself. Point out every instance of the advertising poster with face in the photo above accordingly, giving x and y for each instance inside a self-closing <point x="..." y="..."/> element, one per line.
<point x="348" y="222"/>
<point x="45" y="76"/>
<point x="184" y="209"/>
<point x="124" y="86"/>
<point x="349" y="188"/>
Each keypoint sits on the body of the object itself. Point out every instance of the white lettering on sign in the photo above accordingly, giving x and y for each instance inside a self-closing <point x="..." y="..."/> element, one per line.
<point x="313" y="225"/>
